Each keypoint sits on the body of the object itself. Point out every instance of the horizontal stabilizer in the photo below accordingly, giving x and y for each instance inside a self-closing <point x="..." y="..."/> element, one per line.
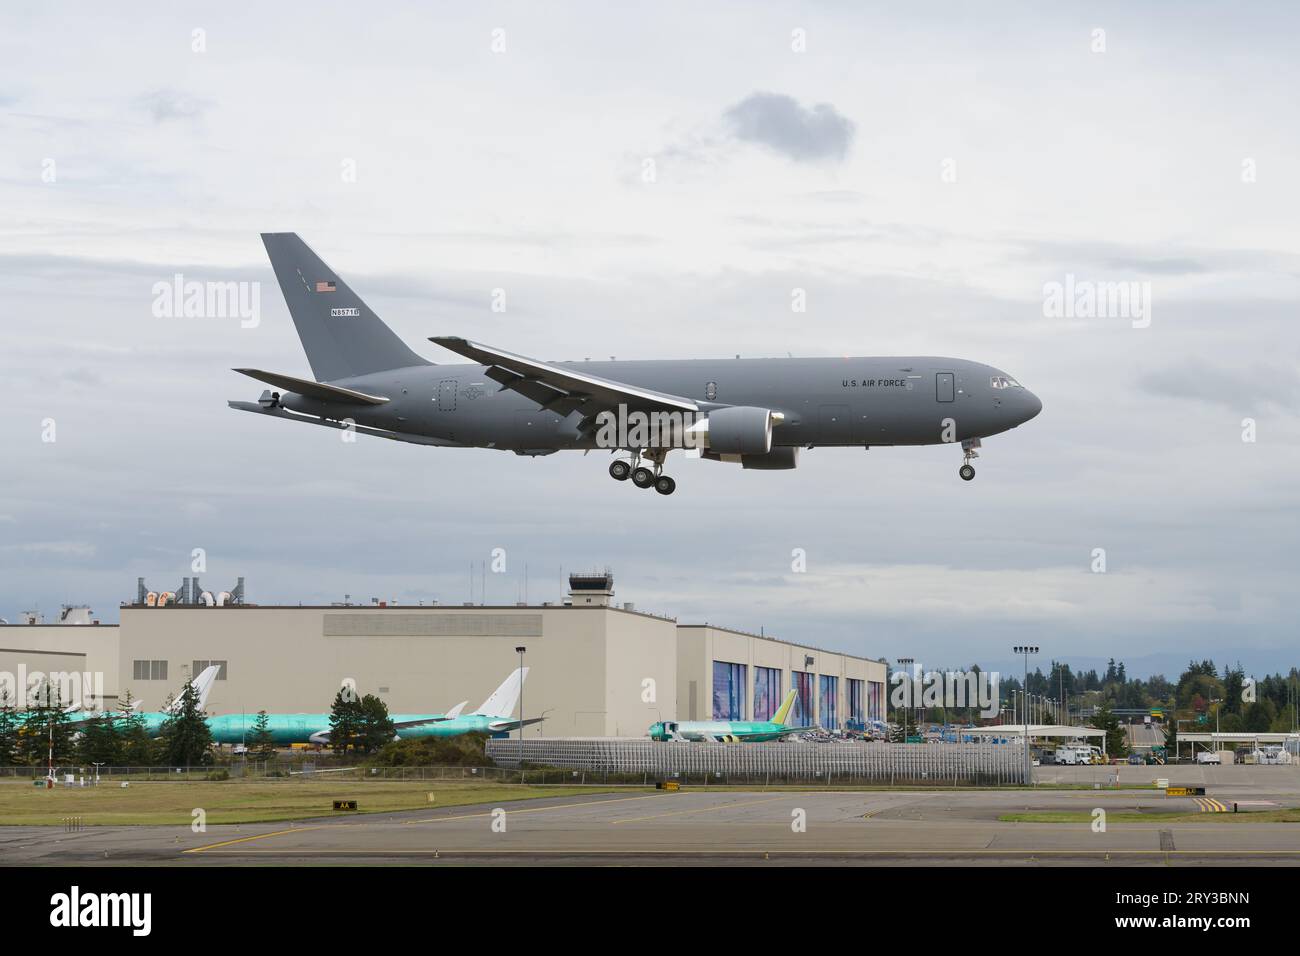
<point x="317" y="390"/>
<point x="331" y="423"/>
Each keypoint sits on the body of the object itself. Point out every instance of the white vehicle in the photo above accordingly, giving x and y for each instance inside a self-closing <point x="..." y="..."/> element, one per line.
<point x="1208" y="756"/>
<point x="1270" y="755"/>
<point x="1072" y="756"/>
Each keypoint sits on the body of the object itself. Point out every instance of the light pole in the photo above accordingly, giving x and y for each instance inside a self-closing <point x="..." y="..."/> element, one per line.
<point x="911" y="688"/>
<point x="1026" y="650"/>
<point x="520" y="651"/>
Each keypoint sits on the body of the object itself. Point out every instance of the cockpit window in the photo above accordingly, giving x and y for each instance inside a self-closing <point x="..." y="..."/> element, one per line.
<point x="1002" y="381"/>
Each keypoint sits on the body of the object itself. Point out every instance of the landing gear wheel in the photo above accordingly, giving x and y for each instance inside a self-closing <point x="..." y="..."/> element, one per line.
<point x="643" y="477"/>
<point x="665" y="485"/>
<point x="619" y="470"/>
<point x="966" y="472"/>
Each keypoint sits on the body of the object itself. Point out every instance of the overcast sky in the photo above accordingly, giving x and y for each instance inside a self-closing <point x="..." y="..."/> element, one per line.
<point x="653" y="182"/>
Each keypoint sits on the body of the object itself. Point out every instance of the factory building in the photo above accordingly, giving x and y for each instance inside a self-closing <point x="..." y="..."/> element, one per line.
<point x="34" y="653"/>
<point x="595" y="668"/>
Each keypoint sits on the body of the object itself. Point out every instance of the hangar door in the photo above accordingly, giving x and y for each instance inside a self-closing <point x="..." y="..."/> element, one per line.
<point x="944" y="386"/>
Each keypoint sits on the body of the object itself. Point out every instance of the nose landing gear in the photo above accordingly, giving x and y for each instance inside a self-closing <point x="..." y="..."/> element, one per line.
<point x="967" y="470"/>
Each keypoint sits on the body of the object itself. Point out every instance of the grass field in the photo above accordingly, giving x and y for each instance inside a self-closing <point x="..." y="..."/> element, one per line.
<point x="247" y="801"/>
<point x="1284" y="815"/>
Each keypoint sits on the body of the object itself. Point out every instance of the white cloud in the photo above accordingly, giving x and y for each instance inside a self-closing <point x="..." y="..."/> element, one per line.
<point x="521" y="170"/>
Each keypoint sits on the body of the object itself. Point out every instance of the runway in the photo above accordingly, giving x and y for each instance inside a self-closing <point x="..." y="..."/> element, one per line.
<point x="700" y="827"/>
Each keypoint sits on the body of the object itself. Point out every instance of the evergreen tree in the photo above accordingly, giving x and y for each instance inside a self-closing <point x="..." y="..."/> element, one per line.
<point x="376" y="728"/>
<point x="186" y="739"/>
<point x="1116" y="739"/>
<point x="101" y="742"/>
<point x="136" y="747"/>
<point x="45" y="730"/>
<point x="261" y="746"/>
<point x="9" y="724"/>
<point x="345" y="720"/>
<point x="1233" y="682"/>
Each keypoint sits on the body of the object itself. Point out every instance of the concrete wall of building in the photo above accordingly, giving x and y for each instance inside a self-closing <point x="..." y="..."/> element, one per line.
<point x="585" y="664"/>
<point x="593" y="671"/>
<point x="698" y="646"/>
<point x="53" y="648"/>
<point x="640" y="673"/>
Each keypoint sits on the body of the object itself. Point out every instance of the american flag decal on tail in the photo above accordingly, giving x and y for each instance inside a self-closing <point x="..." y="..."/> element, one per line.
<point x="324" y="286"/>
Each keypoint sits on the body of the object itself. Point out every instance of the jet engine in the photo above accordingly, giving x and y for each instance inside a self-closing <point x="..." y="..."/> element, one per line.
<point x="736" y="430"/>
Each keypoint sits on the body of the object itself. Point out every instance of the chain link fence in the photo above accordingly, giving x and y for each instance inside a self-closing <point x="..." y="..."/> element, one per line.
<point x="842" y="762"/>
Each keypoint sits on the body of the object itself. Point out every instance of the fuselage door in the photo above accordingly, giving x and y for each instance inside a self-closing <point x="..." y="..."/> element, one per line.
<point x="447" y="395"/>
<point x="945" y="387"/>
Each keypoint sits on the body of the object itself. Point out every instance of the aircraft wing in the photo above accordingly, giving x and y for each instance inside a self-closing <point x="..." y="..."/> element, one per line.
<point x="423" y="721"/>
<point x="797" y="730"/>
<point x="317" y="390"/>
<point x="498" y="726"/>
<point x="558" y="388"/>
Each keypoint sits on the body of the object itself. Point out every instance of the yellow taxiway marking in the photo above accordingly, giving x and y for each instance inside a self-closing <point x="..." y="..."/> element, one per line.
<point x="562" y="806"/>
<point x="260" y="836"/>
<point x="1208" y="805"/>
<point x="716" y="806"/>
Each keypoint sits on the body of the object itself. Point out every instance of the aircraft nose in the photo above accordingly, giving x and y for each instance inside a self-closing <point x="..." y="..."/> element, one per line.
<point x="1033" y="405"/>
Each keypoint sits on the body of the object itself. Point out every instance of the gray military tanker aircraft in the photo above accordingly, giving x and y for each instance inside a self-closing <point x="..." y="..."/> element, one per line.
<point x="756" y="413"/>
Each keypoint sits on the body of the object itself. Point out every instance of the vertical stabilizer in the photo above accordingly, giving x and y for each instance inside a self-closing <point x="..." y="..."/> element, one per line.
<point x="782" y="715"/>
<point x="341" y="335"/>
<point x="503" y="699"/>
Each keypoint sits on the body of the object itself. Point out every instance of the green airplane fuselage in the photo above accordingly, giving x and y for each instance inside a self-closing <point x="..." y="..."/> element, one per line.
<point x="755" y="730"/>
<point x="288" y="729"/>
<point x="302" y="728"/>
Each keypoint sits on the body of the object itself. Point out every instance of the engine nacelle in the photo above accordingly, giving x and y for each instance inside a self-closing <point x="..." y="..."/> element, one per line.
<point x="781" y="458"/>
<point x="738" y="430"/>
<point x="778" y="459"/>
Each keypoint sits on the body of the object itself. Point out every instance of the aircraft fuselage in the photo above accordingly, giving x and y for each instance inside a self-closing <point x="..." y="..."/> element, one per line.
<point x="824" y="401"/>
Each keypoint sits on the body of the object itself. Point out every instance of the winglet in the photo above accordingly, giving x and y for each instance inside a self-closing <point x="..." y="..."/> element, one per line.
<point x="783" y="712"/>
<point x="455" y="711"/>
<point x="503" y="699"/>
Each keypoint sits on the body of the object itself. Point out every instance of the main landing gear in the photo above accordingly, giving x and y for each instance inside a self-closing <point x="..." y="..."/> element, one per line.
<point x="643" y="477"/>
<point x="967" y="470"/>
